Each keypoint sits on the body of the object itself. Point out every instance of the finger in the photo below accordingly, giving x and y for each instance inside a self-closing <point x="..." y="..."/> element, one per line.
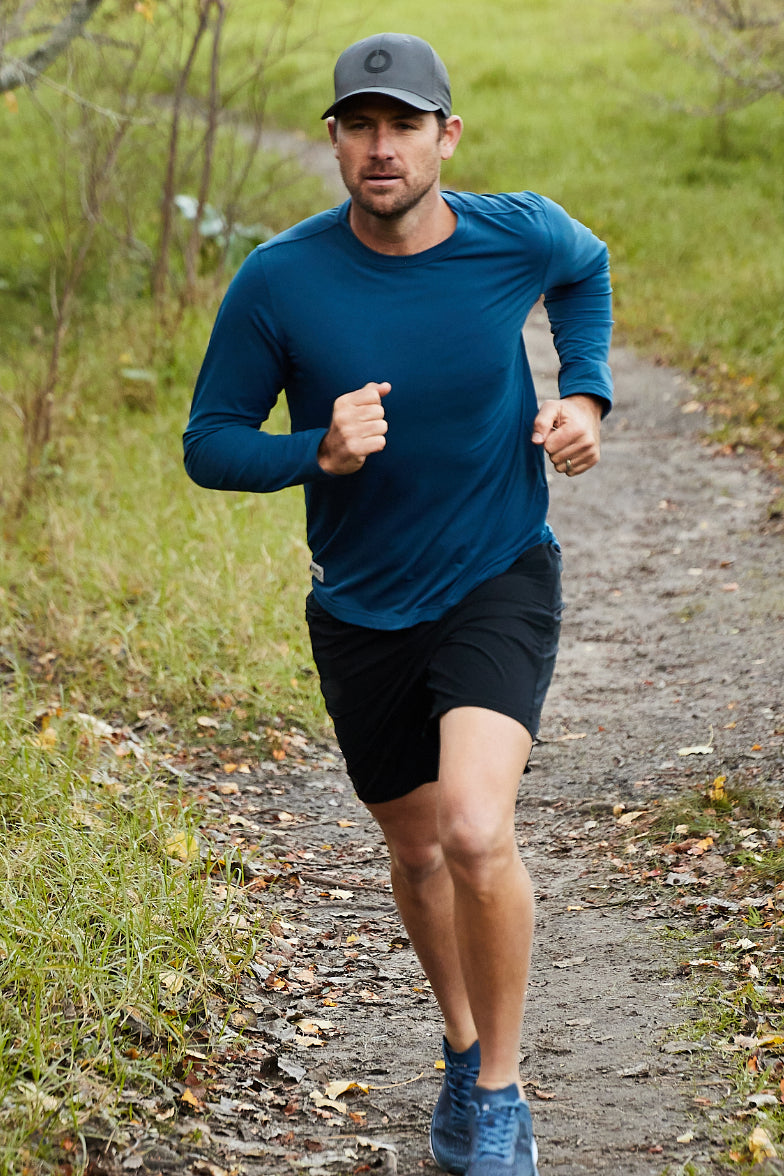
<point x="372" y="391"/>
<point x="547" y="420"/>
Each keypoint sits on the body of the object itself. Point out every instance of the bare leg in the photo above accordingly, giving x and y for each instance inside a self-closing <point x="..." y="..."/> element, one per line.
<point x="424" y="893"/>
<point x="483" y="755"/>
<point x="463" y="894"/>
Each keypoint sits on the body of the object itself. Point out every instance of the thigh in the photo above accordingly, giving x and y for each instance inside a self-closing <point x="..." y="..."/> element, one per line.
<point x="375" y="690"/>
<point x="483" y="756"/>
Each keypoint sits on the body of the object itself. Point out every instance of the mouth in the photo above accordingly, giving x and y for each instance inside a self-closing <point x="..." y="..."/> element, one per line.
<point x="381" y="179"/>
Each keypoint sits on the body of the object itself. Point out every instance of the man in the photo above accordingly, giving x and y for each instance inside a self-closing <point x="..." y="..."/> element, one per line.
<point x="394" y="324"/>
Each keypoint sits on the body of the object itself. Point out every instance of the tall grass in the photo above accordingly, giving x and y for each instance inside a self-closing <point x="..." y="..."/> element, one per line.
<point x="110" y="936"/>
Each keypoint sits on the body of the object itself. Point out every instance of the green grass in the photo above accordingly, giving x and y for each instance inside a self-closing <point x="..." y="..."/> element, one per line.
<point x="112" y="944"/>
<point x="138" y="589"/>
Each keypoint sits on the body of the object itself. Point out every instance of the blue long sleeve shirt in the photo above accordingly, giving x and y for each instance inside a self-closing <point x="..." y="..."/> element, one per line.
<point x="459" y="491"/>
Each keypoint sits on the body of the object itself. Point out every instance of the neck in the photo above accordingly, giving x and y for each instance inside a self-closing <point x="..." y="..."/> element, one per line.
<point x="423" y="227"/>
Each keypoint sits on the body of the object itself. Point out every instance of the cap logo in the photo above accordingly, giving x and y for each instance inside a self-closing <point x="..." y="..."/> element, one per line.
<point x="378" y="61"/>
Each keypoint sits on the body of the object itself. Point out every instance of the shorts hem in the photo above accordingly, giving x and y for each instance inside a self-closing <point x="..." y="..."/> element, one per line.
<point x="498" y="708"/>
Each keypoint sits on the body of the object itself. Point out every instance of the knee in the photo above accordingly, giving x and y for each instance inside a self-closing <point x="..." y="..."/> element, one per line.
<point x="478" y="850"/>
<point x="415" y="863"/>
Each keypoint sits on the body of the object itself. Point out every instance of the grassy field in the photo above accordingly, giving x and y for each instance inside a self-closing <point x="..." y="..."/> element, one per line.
<point x="129" y="596"/>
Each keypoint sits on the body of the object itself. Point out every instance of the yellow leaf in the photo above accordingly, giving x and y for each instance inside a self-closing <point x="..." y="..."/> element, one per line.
<point x="341" y="1086"/>
<point x="172" y="981"/>
<point x="760" y="1145"/>
<point x="771" y="1039"/>
<point x="229" y="768"/>
<point x="439" y="1065"/>
<point x="629" y="818"/>
<point x="189" y="1098"/>
<point x="11" y="102"/>
<point x="207" y="721"/>
<point x="145" y="8"/>
<point x="716" y="789"/>
<point x="183" y="846"/>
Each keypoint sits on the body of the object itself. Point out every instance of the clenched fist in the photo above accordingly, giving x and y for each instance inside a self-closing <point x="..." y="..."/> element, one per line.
<point x="358" y="429"/>
<point x="569" y="431"/>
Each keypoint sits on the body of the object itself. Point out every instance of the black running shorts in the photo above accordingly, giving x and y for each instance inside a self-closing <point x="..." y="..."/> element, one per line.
<point x="385" y="689"/>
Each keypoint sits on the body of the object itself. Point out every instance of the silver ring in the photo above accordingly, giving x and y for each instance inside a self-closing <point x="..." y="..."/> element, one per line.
<point x="568" y="465"/>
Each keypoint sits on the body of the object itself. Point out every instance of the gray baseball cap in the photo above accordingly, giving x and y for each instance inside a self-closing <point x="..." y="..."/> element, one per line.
<point x="394" y="64"/>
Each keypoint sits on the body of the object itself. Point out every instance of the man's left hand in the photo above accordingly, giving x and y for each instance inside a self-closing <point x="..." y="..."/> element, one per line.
<point x="569" y="431"/>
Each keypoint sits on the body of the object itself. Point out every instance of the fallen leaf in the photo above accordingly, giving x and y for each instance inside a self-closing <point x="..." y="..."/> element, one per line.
<point x="763" y="1099"/>
<point x="760" y="1146"/>
<point x="207" y="721"/>
<point x="701" y="749"/>
<point x="183" y="846"/>
<point x="172" y="981"/>
<point x="630" y="818"/>
<point x="375" y="1144"/>
<point x="570" y="963"/>
<point x="342" y="1086"/>
<point x="716" y="789"/>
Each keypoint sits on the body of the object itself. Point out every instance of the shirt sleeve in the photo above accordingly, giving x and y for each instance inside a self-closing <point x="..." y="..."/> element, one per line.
<point x="578" y="300"/>
<point x="243" y="373"/>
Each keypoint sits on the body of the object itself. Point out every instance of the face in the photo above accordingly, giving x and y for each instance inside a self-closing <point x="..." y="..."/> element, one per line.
<point x="390" y="154"/>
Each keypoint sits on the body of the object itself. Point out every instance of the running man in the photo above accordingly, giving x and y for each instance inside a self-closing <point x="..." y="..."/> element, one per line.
<point x="393" y="322"/>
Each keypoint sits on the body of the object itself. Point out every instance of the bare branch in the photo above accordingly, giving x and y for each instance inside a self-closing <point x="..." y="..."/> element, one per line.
<point x="16" y="72"/>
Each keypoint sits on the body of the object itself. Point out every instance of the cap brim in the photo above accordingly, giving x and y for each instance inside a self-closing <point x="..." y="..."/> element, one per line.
<point x="402" y="95"/>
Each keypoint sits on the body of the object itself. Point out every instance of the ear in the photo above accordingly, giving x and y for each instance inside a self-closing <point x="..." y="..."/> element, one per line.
<point x="332" y="127"/>
<point x="451" y="136"/>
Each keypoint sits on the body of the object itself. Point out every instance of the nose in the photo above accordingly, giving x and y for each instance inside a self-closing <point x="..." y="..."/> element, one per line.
<point x="381" y="145"/>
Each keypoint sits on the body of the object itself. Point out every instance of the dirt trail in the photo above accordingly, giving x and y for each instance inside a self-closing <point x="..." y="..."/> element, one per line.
<point x="675" y="612"/>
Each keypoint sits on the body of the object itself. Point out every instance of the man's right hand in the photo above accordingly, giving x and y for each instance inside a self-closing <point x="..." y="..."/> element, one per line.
<point x="358" y="429"/>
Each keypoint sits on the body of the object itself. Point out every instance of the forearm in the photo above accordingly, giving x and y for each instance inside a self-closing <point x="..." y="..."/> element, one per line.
<point x="237" y="457"/>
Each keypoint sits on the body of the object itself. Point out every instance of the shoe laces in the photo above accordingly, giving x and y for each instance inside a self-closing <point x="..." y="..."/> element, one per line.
<point x="460" y="1081"/>
<point x="496" y="1130"/>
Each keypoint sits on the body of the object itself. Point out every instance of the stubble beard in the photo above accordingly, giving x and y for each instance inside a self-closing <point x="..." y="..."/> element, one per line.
<point x="383" y="208"/>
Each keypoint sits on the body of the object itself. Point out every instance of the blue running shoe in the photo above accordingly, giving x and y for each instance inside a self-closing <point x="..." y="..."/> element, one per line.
<point x="449" y="1126"/>
<point x="502" y="1139"/>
